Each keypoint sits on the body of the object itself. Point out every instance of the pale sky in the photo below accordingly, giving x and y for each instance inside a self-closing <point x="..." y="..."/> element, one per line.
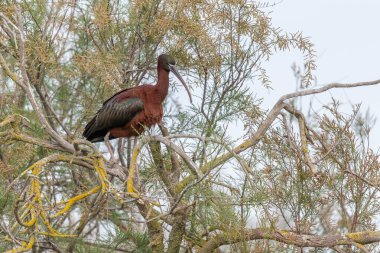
<point x="346" y="36"/>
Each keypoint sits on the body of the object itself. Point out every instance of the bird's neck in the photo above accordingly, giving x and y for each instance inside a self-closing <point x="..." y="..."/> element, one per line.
<point x="162" y="83"/>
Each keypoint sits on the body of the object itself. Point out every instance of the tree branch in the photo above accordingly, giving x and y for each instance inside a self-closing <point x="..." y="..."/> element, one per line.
<point x="251" y="142"/>
<point x="320" y="241"/>
<point x="25" y="85"/>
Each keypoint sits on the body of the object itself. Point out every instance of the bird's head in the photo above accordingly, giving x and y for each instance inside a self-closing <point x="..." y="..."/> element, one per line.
<point x="168" y="63"/>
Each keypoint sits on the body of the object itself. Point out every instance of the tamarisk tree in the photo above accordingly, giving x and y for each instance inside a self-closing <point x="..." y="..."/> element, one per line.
<point x="287" y="183"/>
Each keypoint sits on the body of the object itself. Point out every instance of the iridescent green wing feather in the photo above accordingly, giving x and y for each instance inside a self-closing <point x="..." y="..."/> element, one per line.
<point x="113" y="114"/>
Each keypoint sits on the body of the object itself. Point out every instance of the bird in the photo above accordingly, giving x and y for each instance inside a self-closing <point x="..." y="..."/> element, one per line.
<point x="130" y="111"/>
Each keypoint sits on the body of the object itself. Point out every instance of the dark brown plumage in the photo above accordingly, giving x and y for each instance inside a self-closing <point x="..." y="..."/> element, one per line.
<point x="129" y="111"/>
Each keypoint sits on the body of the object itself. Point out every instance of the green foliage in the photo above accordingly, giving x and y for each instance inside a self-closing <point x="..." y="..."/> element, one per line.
<point x="140" y="241"/>
<point x="80" y="53"/>
<point x="6" y="197"/>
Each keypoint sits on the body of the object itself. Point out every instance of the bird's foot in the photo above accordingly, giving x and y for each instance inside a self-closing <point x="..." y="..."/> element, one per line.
<point x="109" y="146"/>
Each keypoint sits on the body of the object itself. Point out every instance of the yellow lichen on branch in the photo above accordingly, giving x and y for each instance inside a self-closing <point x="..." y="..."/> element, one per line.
<point x="24" y="246"/>
<point x="105" y="185"/>
<point x="99" y="167"/>
<point x="130" y="189"/>
<point x="33" y="218"/>
<point x="73" y="200"/>
<point x="34" y="208"/>
<point x="36" y="191"/>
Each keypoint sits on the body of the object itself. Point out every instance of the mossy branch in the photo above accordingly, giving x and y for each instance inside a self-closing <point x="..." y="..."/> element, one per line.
<point x="24" y="246"/>
<point x="34" y="208"/>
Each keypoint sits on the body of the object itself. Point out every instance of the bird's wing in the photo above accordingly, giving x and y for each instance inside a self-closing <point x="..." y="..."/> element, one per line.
<point x="114" y="113"/>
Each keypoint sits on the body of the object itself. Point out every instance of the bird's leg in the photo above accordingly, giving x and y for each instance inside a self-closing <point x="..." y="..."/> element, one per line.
<point x="129" y="150"/>
<point x="109" y="147"/>
<point x="137" y="176"/>
<point x="120" y="148"/>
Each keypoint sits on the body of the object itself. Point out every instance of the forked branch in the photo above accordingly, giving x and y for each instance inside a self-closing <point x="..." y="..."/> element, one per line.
<point x="265" y="125"/>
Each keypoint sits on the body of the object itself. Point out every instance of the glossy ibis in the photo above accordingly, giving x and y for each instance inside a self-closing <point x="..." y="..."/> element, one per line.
<point x="128" y="112"/>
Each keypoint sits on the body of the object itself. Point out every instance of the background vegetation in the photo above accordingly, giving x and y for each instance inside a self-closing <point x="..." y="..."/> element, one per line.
<point x="283" y="183"/>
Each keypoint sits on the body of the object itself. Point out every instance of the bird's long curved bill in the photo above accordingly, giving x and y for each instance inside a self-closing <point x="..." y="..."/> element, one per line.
<point x="175" y="72"/>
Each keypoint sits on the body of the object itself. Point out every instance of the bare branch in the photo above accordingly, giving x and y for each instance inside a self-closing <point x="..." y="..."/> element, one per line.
<point x="272" y="115"/>
<point x="291" y="238"/>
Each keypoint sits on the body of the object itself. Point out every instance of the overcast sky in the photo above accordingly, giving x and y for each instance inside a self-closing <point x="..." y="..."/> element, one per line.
<point x="346" y="35"/>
